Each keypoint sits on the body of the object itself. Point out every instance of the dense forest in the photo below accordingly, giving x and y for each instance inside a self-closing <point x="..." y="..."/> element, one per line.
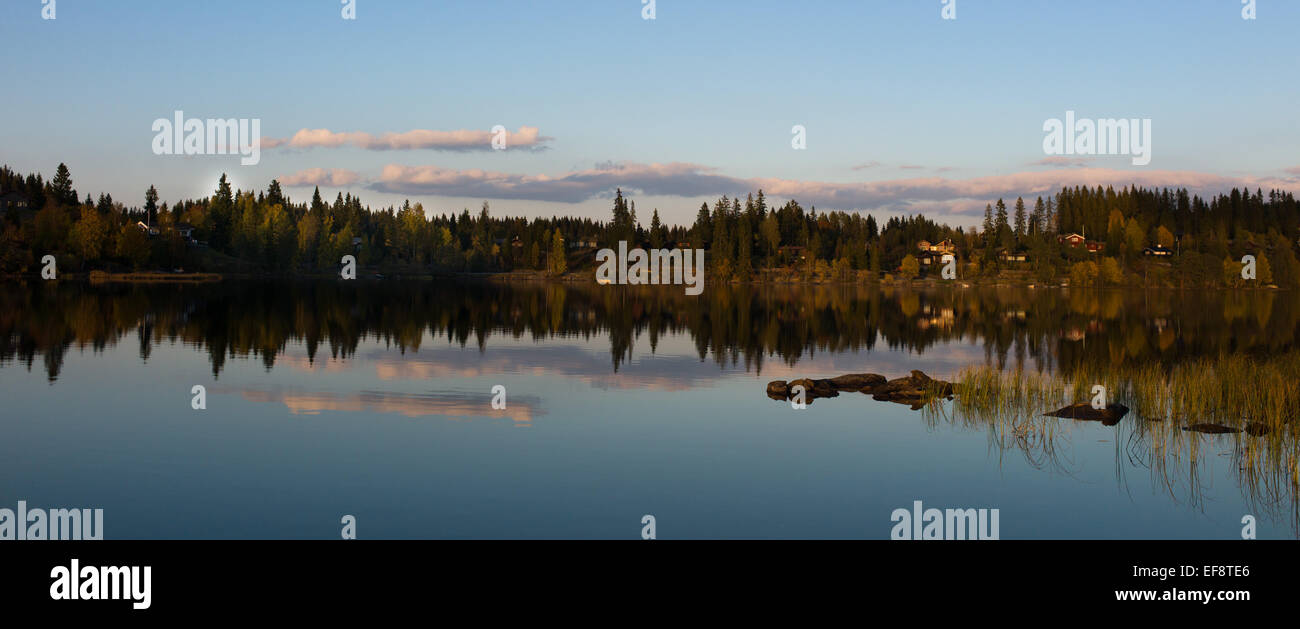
<point x="1201" y="240"/>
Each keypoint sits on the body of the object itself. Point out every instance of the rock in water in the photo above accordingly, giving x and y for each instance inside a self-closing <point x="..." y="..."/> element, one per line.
<point x="1257" y="429"/>
<point x="1212" y="429"/>
<point x="814" y="388"/>
<point x="857" y="381"/>
<point x="909" y="389"/>
<point x="778" y="390"/>
<point x="914" y="390"/>
<point x="1108" y="416"/>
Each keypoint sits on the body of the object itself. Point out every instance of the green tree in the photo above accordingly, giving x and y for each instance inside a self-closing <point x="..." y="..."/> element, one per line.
<point x="910" y="267"/>
<point x="308" y="239"/>
<point x="1083" y="274"/>
<point x="1263" y="271"/>
<point x="277" y="237"/>
<point x="1111" y="273"/>
<point x="88" y="234"/>
<point x="1164" y="237"/>
<point x="987" y="231"/>
<point x="1038" y="220"/>
<point x="1232" y="273"/>
<point x="133" y="246"/>
<point x="61" y="186"/>
<point x="702" y="230"/>
<point x="1134" y="239"/>
<point x="1020" y="219"/>
<point x="1285" y="267"/>
<point x="219" y="217"/>
<point x="1005" y="236"/>
<point x="658" y="234"/>
<point x="744" y="248"/>
<point x="52" y="224"/>
<point x="557" y="262"/>
<point x="151" y="205"/>
<point x="771" y="234"/>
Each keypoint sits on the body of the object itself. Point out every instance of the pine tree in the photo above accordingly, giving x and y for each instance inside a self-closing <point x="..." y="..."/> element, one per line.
<point x="219" y="214"/>
<point x="1038" y="220"/>
<point x="274" y="196"/>
<point x="744" y="248"/>
<point x="1020" y="218"/>
<point x="61" y="186"/>
<point x="151" y="205"/>
<point x="657" y="232"/>
<point x="702" y="230"/>
<point x="987" y="233"/>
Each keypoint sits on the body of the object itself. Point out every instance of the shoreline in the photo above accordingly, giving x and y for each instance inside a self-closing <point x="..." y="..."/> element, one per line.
<point x="156" y="277"/>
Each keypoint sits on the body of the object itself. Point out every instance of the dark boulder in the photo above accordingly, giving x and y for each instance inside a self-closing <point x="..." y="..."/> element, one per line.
<point x="914" y="390"/>
<point x="857" y="381"/>
<point x="1212" y="429"/>
<point x="814" y="388"/>
<point x="1108" y="416"/>
<point x="911" y="389"/>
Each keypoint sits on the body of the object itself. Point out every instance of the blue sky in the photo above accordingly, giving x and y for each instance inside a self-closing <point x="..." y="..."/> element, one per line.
<point x="905" y="112"/>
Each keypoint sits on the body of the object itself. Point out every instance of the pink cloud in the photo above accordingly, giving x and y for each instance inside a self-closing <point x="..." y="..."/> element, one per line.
<point x="930" y="194"/>
<point x="1066" y="162"/>
<point x="334" y="177"/>
<point x="461" y="140"/>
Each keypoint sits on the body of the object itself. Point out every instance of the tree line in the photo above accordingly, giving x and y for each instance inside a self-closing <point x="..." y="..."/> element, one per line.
<point x="265" y="230"/>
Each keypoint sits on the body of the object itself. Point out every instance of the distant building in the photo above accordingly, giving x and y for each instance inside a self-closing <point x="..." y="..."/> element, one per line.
<point x="1159" y="251"/>
<point x="794" y="252"/>
<point x="933" y="252"/>
<point x="147" y="228"/>
<point x="1073" y="240"/>
<point x="1008" y="255"/>
<point x="944" y="246"/>
<point x="14" y="201"/>
<point x="186" y="230"/>
<point x="1078" y="240"/>
<point x="929" y="258"/>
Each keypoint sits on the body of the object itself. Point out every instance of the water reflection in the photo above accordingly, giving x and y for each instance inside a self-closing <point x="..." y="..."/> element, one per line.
<point x="405" y="333"/>
<point x="1016" y="327"/>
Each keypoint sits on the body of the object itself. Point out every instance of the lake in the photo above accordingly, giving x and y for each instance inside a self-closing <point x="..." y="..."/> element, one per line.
<point x="375" y="399"/>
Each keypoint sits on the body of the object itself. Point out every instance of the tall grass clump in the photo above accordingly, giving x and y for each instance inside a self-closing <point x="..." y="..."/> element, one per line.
<point x="1257" y="398"/>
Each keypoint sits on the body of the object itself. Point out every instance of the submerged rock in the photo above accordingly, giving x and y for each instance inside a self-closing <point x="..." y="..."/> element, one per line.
<point x="914" y="390"/>
<point x="1108" y="416"/>
<point x="911" y="389"/>
<point x="1212" y="429"/>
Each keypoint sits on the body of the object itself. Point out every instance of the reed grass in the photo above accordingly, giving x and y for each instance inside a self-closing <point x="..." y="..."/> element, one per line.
<point x="1259" y="396"/>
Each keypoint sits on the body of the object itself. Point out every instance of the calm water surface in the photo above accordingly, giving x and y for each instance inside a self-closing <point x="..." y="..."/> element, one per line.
<point x="373" y="399"/>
